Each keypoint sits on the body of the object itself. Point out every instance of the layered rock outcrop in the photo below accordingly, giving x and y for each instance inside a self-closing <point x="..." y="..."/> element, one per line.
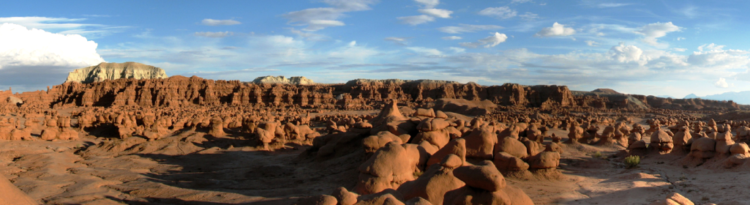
<point x="114" y="71"/>
<point x="295" y="80"/>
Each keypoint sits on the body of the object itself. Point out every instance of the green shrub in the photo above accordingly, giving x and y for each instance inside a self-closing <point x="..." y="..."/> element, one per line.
<point x="632" y="161"/>
<point x="597" y="154"/>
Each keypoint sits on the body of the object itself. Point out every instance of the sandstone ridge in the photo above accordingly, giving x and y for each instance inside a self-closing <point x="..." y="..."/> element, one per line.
<point x="114" y="71"/>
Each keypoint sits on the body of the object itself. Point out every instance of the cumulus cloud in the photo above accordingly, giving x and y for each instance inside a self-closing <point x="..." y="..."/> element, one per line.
<point x="320" y="18"/>
<point x="556" y="30"/>
<point x="218" y="22"/>
<point x="715" y="56"/>
<point x="426" y="51"/>
<point x="416" y="20"/>
<point x="452" y="38"/>
<point x="722" y="83"/>
<point x="503" y="12"/>
<point x="34" y="47"/>
<point x="33" y="58"/>
<point x="625" y="53"/>
<point x="440" y="13"/>
<point x="679" y="49"/>
<point x="214" y="34"/>
<point x="488" y="42"/>
<point x="653" y="31"/>
<point x="467" y="28"/>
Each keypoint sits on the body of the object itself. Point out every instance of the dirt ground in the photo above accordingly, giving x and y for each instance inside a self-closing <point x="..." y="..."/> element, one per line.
<point x="194" y="168"/>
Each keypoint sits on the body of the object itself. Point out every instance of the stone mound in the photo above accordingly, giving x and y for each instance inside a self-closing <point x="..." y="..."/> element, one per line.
<point x="114" y="71"/>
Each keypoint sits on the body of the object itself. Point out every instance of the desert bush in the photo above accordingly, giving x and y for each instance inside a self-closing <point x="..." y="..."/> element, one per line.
<point x="632" y="161"/>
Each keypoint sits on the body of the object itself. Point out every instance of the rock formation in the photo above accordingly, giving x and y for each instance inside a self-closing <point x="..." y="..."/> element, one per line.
<point x="114" y="71"/>
<point x="295" y="80"/>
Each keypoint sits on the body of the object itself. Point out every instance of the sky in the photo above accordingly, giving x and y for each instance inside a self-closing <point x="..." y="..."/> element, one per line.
<point x="662" y="48"/>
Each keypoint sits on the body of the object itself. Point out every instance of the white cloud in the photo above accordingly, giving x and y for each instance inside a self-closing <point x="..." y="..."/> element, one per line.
<point x="428" y="3"/>
<point x="529" y="16"/>
<point x="721" y="83"/>
<point x="321" y="18"/>
<point x="31" y="59"/>
<point x="457" y="49"/>
<point x="592" y="43"/>
<point x="416" y="20"/>
<point x="626" y="53"/>
<point x="679" y="49"/>
<point x="556" y="30"/>
<point x="426" y="51"/>
<point x="656" y="30"/>
<point x="214" y="34"/>
<point x="611" y="5"/>
<point x="429" y="13"/>
<point x="680" y="38"/>
<point x="467" y="28"/>
<point x="441" y="13"/>
<point x="499" y="12"/>
<point x="396" y="40"/>
<point x="64" y="25"/>
<point x="34" y="47"/>
<point x="217" y="22"/>
<point x="716" y="57"/>
<point x="452" y="38"/>
<point x="519" y="1"/>
<point x="488" y="42"/>
<point x="352" y="43"/>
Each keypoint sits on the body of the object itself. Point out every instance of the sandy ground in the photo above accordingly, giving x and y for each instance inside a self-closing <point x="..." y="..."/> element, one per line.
<point x="194" y="168"/>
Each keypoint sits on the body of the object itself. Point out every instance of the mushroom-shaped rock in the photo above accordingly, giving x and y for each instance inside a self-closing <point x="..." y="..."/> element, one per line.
<point x="345" y="197"/>
<point x="375" y="142"/>
<point x="217" y="127"/>
<point x="661" y="141"/>
<point x="456" y="147"/>
<point x="508" y="164"/>
<point x="485" y="176"/>
<point x="435" y="182"/>
<point x="389" y="167"/>
<point x="513" y="147"/>
<point x="387" y="197"/>
<point x="480" y="143"/>
<point x="319" y="200"/>
<point x="545" y="160"/>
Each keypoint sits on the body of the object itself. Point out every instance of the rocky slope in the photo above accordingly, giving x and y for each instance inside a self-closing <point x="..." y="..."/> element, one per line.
<point x="608" y="98"/>
<point x="114" y="71"/>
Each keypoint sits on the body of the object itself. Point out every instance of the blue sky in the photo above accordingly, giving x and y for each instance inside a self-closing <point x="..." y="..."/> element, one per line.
<point x="646" y="47"/>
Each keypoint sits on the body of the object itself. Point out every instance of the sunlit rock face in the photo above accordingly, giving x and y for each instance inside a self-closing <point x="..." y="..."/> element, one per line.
<point x="114" y="71"/>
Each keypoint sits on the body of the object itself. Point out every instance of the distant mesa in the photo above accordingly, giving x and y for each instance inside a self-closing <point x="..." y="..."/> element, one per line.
<point x="606" y="91"/>
<point x="114" y="71"/>
<point x="296" y="80"/>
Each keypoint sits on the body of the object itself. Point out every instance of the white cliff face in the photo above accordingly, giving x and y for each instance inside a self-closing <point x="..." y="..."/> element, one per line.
<point x="297" y="80"/>
<point x="114" y="71"/>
